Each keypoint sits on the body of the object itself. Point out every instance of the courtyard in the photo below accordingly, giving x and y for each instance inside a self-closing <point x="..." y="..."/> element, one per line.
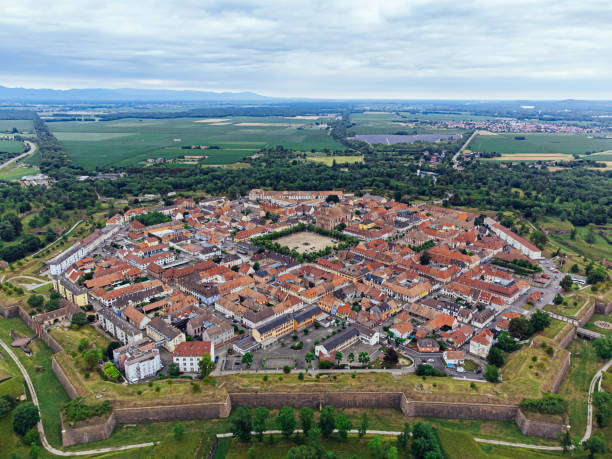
<point x="306" y="241"/>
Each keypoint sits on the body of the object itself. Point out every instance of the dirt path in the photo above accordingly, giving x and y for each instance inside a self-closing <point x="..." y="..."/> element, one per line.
<point x="43" y="437"/>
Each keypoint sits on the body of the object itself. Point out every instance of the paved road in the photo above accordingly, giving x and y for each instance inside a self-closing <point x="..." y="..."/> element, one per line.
<point x="43" y="437"/>
<point x="32" y="149"/>
<point x="467" y="142"/>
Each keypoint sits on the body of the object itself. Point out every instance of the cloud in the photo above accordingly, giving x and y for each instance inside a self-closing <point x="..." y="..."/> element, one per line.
<point x="356" y="48"/>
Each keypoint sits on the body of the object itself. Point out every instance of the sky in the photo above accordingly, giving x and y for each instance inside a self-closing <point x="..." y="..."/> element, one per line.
<point x="412" y="49"/>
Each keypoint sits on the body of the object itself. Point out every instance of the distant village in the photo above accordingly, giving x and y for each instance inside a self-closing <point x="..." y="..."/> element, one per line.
<point x="350" y="273"/>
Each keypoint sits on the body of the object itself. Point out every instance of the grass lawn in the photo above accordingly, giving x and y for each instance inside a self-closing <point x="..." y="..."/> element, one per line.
<point x="574" y="304"/>
<point x="69" y="339"/>
<point x="575" y="385"/>
<point x="600" y="317"/>
<point x="14" y="172"/>
<point x="51" y="394"/>
<point x="553" y="329"/>
<point x="530" y="370"/>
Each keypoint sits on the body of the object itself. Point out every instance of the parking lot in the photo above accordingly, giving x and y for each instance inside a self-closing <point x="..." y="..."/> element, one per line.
<point x="280" y="353"/>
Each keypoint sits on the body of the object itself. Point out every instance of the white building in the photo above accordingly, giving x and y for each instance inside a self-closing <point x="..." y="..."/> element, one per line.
<point x="188" y="354"/>
<point x="142" y="366"/>
<point x="118" y="327"/>
<point x="516" y="241"/>
<point x="481" y="343"/>
<point x="60" y="263"/>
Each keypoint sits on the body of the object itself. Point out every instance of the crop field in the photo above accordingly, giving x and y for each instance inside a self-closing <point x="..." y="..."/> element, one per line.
<point x="390" y="139"/>
<point x="129" y="141"/>
<point x="387" y="122"/>
<point x="6" y="126"/>
<point x="11" y="146"/>
<point x="507" y="144"/>
<point x="340" y="159"/>
<point x="14" y="172"/>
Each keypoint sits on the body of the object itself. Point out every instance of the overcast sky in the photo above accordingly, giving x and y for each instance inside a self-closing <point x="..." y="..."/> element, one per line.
<point x="336" y="49"/>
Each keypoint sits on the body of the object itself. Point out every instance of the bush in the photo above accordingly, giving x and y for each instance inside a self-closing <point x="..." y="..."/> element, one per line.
<point x="492" y="374"/>
<point x="77" y="410"/>
<point x="428" y="370"/>
<point x="325" y="364"/>
<point x="286" y="369"/>
<point x="301" y="376"/>
<point x="549" y="404"/>
<point x="25" y="417"/>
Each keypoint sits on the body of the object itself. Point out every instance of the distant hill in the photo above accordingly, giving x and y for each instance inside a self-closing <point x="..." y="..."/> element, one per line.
<point x="122" y="95"/>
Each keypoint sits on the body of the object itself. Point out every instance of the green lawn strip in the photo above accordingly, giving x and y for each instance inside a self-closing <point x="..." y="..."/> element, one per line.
<point x="599" y="317"/>
<point x="51" y="395"/>
<point x="509" y="452"/>
<point x="459" y="445"/>
<point x="575" y="385"/>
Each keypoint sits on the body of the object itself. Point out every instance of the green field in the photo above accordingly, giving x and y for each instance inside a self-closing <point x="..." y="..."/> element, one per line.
<point x="390" y="123"/>
<point x="14" y="172"/>
<point x="539" y="143"/>
<point x="21" y="125"/>
<point x="11" y="146"/>
<point x="129" y="141"/>
<point x="51" y="394"/>
<point x="340" y="159"/>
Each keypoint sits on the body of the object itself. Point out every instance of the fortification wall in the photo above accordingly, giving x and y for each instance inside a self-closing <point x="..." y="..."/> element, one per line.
<point x="85" y="434"/>
<point x="538" y="428"/>
<point x="568" y="338"/>
<point x="318" y="400"/>
<point x="63" y="379"/>
<point x="173" y="413"/>
<point x="559" y="379"/>
<point x="602" y="307"/>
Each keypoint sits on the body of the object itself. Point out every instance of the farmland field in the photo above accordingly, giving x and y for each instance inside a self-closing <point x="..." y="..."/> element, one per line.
<point x="340" y="159"/>
<point x="129" y="141"/>
<point x="386" y="122"/>
<point x="21" y="125"/>
<point x="11" y="146"/>
<point x="507" y="144"/>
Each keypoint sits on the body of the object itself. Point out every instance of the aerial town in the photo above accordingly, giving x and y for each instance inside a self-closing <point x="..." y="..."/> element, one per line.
<point x="230" y="278"/>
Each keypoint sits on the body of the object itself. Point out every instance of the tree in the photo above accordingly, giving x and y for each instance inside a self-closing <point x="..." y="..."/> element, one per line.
<point x="390" y="358"/>
<point x="260" y="420"/>
<point x="566" y="283"/>
<point x="425" y="258"/>
<point x="351" y="357"/>
<point x="36" y="301"/>
<point x="364" y="358"/>
<point x="595" y="444"/>
<point x="34" y="451"/>
<point x="602" y="402"/>
<point x="241" y="424"/>
<point x="173" y="369"/>
<point x="519" y="328"/>
<point x="206" y="365"/>
<point x="566" y="441"/>
<point x="303" y="452"/>
<point x="404" y="437"/>
<point x="179" y="431"/>
<point x="506" y="343"/>
<point x="596" y="275"/>
<point x="558" y="299"/>
<point x="603" y="346"/>
<point x="309" y="357"/>
<point x="492" y="374"/>
<point x="286" y="421"/>
<point x="376" y="447"/>
<point x="332" y="198"/>
<point x="110" y="348"/>
<point x="363" y="427"/>
<point x="31" y="437"/>
<point x="91" y="357"/>
<point x="327" y="420"/>
<point x="392" y="453"/>
<point x="247" y="359"/>
<point x="79" y="319"/>
<point x="110" y="371"/>
<point x="338" y="357"/>
<point x="539" y="238"/>
<point x="495" y="357"/>
<point x="306" y="419"/>
<point x="575" y="269"/>
<point x="25" y="417"/>
<point x="539" y="320"/>
<point x="343" y="425"/>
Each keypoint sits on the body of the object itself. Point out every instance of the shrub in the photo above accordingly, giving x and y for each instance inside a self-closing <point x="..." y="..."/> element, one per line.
<point x="428" y="370"/>
<point x="301" y="376"/>
<point x="25" y="417"/>
<point x="195" y="387"/>
<point x="549" y="404"/>
<point x="286" y="369"/>
<point x="77" y="410"/>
